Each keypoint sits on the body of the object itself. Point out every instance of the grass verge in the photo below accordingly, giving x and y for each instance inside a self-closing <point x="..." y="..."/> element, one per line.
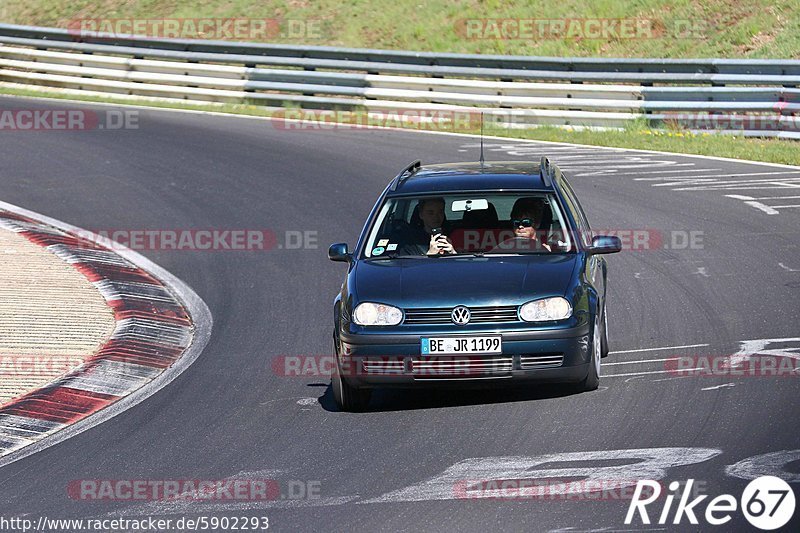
<point x="596" y="28"/>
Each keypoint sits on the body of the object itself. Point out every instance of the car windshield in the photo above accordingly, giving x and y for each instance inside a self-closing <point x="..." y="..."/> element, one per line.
<point x="477" y="224"/>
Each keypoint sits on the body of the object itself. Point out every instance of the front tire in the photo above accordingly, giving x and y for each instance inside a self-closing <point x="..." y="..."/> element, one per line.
<point x="347" y="397"/>
<point x="604" y="344"/>
<point x="592" y="380"/>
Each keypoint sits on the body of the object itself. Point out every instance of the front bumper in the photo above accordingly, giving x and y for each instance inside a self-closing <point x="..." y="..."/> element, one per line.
<point x="559" y="355"/>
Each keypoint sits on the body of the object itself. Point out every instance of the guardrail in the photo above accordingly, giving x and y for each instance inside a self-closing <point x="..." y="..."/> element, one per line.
<point x="747" y="97"/>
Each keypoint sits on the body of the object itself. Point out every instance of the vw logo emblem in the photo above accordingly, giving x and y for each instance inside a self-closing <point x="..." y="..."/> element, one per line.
<point x="460" y="315"/>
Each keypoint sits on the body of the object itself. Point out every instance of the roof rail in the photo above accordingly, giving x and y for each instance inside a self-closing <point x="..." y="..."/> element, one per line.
<point x="406" y="173"/>
<point x="546" y="172"/>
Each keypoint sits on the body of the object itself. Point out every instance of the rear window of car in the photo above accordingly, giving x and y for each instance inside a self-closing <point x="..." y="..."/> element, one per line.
<point x="478" y="223"/>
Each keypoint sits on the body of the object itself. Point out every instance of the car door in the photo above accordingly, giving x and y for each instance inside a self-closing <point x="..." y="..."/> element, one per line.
<point x="595" y="271"/>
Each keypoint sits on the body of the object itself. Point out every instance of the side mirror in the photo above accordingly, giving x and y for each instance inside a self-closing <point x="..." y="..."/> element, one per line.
<point x="603" y="244"/>
<point x="338" y="252"/>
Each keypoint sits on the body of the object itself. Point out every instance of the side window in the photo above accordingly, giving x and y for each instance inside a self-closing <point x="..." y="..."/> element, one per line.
<point x="580" y="217"/>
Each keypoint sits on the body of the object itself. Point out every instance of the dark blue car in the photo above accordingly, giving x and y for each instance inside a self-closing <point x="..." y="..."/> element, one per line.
<point x="471" y="275"/>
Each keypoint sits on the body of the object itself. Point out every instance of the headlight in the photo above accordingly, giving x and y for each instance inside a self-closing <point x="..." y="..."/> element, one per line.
<point x="547" y="309"/>
<point x="370" y="314"/>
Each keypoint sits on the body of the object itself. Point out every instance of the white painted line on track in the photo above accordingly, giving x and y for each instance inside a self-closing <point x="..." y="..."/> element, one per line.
<point x="691" y="179"/>
<point x="197" y="308"/>
<point x="743" y="197"/>
<point x="751" y="174"/>
<point x="577" y="155"/>
<point x="624" y="173"/>
<point x="641" y="362"/>
<point x="724" y="385"/>
<point x="603" y="530"/>
<point x="763" y="207"/>
<point x="637" y="374"/>
<point x="683" y="171"/>
<point x="749" y="188"/>
<point x="672" y="181"/>
<point x="613" y="166"/>
<point x="617" y="162"/>
<point x="454" y="482"/>
<point x="787" y="183"/>
<point x="659" y="349"/>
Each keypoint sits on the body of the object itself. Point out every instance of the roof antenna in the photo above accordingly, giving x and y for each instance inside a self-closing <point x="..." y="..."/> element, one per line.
<point x="481" y="160"/>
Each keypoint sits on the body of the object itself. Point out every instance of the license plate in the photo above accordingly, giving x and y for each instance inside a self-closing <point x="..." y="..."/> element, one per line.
<point x="459" y="345"/>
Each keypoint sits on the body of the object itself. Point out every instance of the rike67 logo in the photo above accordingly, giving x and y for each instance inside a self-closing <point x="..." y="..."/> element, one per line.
<point x="767" y="502"/>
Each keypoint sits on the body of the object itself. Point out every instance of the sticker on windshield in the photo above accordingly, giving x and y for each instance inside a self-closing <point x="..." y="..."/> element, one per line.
<point x="378" y="250"/>
<point x="383" y="242"/>
<point x="392" y="247"/>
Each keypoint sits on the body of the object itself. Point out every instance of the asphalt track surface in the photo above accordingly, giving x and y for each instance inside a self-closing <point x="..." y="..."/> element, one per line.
<point x="230" y="415"/>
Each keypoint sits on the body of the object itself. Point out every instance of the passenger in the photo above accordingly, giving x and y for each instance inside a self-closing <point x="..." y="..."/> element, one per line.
<point x="526" y="217"/>
<point x="429" y="216"/>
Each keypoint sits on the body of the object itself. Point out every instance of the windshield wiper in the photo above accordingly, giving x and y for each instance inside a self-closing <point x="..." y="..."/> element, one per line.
<point x="414" y="256"/>
<point x="466" y="254"/>
<point x="393" y="256"/>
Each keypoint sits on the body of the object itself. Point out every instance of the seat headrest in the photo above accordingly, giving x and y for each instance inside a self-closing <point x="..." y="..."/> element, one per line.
<point x="481" y="218"/>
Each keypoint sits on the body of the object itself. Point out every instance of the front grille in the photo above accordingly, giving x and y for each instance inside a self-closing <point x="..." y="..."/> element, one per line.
<point x="478" y="315"/>
<point x="461" y="366"/>
<point x="527" y="362"/>
<point x="383" y="366"/>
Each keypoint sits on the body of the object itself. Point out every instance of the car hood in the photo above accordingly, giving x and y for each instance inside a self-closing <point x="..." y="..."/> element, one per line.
<point x="450" y="281"/>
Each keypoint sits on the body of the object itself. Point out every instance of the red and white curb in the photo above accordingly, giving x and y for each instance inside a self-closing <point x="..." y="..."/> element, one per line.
<point x="161" y="328"/>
